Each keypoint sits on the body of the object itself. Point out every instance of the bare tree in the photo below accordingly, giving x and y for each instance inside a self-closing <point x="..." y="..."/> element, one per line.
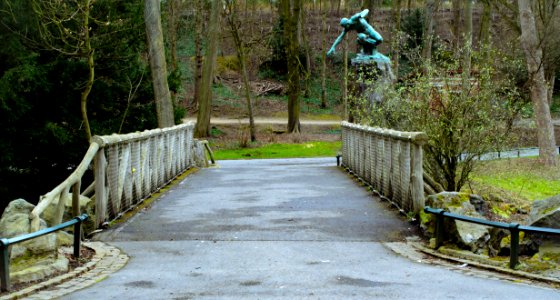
<point x="456" y="26"/>
<point x="290" y="11"/>
<point x="158" y="65"/>
<point x="57" y="25"/>
<point x="205" y="101"/>
<point x="537" y="83"/>
<point x="172" y="28"/>
<point x="396" y="33"/>
<point x="468" y="44"/>
<point x="428" y="28"/>
<point x="234" y="25"/>
<point x="323" y="12"/>
<point x="198" y="22"/>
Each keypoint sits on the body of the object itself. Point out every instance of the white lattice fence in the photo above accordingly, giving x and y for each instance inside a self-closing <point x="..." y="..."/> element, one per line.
<point x="390" y="161"/>
<point x="130" y="167"/>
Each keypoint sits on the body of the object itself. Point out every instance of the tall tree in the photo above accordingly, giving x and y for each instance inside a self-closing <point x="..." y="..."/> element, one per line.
<point x="323" y="54"/>
<point x="537" y="83"/>
<point x="241" y="48"/>
<point x="456" y="26"/>
<point x="396" y="34"/>
<point x="198" y="23"/>
<point x="468" y="45"/>
<point x="290" y="12"/>
<point x="172" y="28"/>
<point x="428" y="29"/>
<point x="156" y="52"/>
<point x="205" y="101"/>
<point x="58" y="22"/>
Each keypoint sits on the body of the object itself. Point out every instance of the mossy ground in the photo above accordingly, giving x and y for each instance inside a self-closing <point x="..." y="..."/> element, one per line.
<point x="511" y="185"/>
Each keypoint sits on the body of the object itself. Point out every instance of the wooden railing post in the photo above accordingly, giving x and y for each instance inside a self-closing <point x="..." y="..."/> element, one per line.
<point x="100" y="164"/>
<point x="76" y="198"/>
<point x="417" y="173"/>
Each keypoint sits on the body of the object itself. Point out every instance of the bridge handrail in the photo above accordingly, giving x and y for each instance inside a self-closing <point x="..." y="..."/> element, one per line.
<point x="73" y="181"/>
<point x="128" y="168"/>
<point x="5" y="243"/>
<point x="514" y="229"/>
<point x="389" y="161"/>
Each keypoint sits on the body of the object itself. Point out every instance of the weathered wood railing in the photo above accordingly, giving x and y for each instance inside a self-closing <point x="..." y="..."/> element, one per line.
<point x="388" y="160"/>
<point x="128" y="168"/>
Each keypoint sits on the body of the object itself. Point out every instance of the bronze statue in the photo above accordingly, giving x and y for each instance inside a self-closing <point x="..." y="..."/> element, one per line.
<point x="368" y="38"/>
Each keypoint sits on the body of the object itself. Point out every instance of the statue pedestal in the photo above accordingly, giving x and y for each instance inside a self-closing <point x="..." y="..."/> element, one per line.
<point x="369" y="63"/>
<point x="371" y="73"/>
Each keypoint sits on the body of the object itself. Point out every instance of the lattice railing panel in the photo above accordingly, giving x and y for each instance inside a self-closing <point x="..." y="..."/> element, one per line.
<point x="390" y="161"/>
<point x="133" y="166"/>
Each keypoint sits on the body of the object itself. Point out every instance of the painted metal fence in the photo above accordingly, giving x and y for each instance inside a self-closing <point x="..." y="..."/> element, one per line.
<point x="514" y="229"/>
<point x="6" y="243"/>
<point x="389" y="161"/>
<point x="128" y="168"/>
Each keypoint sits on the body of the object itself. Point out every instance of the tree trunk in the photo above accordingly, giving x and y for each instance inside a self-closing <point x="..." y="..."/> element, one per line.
<point x="91" y="68"/>
<point x="323" y="55"/>
<point x="468" y="46"/>
<point x="537" y="84"/>
<point x="302" y="40"/>
<point x="484" y="35"/>
<point x="396" y="34"/>
<point x="485" y="22"/>
<point x="172" y="10"/>
<point x="240" y="47"/>
<point x="164" y="106"/>
<point x="551" y="82"/>
<point x="457" y="25"/>
<point x="345" y="80"/>
<point x="199" y="17"/>
<point x="428" y="30"/>
<point x="291" y="17"/>
<point x="205" y="102"/>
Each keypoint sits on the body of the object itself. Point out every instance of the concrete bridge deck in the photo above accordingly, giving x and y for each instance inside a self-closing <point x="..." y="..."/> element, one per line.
<point x="278" y="229"/>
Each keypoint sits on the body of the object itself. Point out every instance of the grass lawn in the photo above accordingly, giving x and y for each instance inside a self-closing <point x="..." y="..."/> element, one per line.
<point x="521" y="179"/>
<point x="309" y="149"/>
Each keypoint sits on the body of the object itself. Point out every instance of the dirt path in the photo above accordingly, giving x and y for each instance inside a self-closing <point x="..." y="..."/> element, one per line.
<point x="264" y="121"/>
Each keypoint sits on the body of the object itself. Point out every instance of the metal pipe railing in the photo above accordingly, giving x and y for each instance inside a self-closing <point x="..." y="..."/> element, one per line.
<point x="514" y="229"/>
<point x="5" y="243"/>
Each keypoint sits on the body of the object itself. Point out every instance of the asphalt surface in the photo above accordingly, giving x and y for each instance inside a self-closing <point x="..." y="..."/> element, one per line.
<point x="279" y="229"/>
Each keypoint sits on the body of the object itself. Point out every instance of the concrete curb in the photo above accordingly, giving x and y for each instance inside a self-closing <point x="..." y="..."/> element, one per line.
<point x="415" y="250"/>
<point x="107" y="260"/>
<point x="480" y="264"/>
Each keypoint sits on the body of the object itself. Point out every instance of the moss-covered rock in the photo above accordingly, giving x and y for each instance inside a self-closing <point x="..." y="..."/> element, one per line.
<point x="15" y="221"/>
<point x="34" y="259"/>
<point x="466" y="235"/>
<point x="546" y="213"/>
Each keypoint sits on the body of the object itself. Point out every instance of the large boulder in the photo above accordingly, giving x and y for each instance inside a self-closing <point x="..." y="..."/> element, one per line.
<point x="467" y="235"/>
<point x="546" y="213"/>
<point x="15" y="221"/>
<point x="33" y="259"/>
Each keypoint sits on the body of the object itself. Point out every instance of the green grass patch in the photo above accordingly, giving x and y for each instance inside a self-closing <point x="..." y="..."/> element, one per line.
<point x="309" y="149"/>
<point x="522" y="178"/>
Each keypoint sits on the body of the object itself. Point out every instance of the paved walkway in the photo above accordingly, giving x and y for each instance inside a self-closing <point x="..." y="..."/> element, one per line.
<point x="279" y="229"/>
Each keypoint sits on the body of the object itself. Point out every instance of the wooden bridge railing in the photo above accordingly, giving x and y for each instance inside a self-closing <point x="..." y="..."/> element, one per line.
<point x="128" y="168"/>
<point x="388" y="160"/>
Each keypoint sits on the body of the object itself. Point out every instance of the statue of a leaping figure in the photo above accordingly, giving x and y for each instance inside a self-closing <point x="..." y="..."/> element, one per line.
<point x="368" y="38"/>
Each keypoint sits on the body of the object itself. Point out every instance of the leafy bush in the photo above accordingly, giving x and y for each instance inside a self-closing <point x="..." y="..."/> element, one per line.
<point x="463" y="119"/>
